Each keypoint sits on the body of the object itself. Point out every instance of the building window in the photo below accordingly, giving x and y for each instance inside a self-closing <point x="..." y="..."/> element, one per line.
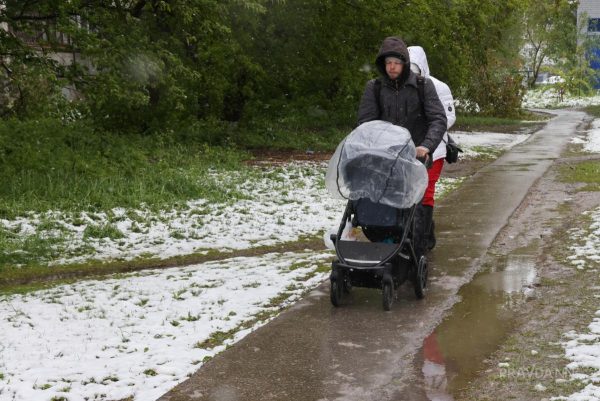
<point x="594" y="25"/>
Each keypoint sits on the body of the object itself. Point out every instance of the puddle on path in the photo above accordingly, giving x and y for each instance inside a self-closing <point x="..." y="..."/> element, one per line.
<point x="453" y="353"/>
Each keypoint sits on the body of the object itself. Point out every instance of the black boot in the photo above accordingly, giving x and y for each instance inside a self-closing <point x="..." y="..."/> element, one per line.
<point x="421" y="230"/>
<point x="429" y="227"/>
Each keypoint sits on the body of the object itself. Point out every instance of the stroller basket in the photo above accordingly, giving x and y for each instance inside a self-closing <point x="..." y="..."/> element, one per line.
<point x="387" y="237"/>
<point x="366" y="254"/>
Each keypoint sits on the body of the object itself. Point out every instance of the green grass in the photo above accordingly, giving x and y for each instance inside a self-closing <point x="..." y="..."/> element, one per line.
<point x="486" y="153"/>
<point x="466" y="122"/>
<point x="308" y="128"/>
<point x="39" y="276"/>
<point x="593" y="110"/>
<point x="46" y="165"/>
<point x="587" y="172"/>
<point x="323" y="135"/>
<point x="217" y="338"/>
<point x="303" y="139"/>
<point x="19" y="251"/>
<point x="102" y="231"/>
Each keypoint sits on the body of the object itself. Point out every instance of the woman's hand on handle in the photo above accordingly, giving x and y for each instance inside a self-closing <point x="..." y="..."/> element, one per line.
<point x="423" y="156"/>
<point x="422" y="151"/>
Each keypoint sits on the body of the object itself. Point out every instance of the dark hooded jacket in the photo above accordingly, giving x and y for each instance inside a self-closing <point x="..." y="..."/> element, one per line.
<point x="399" y="100"/>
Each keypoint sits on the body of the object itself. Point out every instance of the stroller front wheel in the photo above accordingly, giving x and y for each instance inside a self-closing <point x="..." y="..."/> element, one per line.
<point x="335" y="289"/>
<point x="420" y="277"/>
<point x="388" y="294"/>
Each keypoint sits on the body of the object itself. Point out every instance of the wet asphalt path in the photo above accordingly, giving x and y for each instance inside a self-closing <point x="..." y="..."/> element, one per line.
<point x="359" y="352"/>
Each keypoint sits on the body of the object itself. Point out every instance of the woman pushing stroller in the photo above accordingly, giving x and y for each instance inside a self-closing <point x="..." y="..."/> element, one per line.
<point x="406" y="99"/>
<point x="401" y="118"/>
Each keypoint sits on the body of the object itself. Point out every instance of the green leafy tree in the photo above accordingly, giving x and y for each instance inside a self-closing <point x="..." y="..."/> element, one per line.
<point x="576" y="76"/>
<point x="487" y="39"/>
<point x="140" y="65"/>
<point x="29" y="78"/>
<point x="550" y="34"/>
<point x="159" y="65"/>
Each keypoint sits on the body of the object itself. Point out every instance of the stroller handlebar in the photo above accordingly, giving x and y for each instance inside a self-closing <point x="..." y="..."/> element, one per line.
<point x="426" y="160"/>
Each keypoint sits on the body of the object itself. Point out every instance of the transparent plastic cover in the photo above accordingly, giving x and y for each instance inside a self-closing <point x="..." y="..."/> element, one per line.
<point x="377" y="161"/>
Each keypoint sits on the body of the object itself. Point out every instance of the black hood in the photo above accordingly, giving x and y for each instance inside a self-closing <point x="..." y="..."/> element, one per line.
<point x="393" y="46"/>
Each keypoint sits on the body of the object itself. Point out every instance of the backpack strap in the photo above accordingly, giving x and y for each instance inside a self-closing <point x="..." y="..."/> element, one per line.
<point x="421" y="92"/>
<point x="377" y="90"/>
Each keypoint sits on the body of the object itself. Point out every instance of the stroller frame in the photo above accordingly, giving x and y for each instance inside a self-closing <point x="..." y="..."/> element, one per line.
<point x="377" y="264"/>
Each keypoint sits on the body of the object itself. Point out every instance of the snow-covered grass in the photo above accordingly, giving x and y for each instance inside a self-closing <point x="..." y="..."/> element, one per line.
<point x="279" y="204"/>
<point x="141" y="334"/>
<point x="591" y="143"/>
<point x="283" y="204"/>
<point x="583" y="349"/>
<point x="543" y="99"/>
<point x="586" y="248"/>
<point x="475" y="144"/>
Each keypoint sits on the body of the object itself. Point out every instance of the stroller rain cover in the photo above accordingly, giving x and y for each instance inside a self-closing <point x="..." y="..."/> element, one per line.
<point x="377" y="161"/>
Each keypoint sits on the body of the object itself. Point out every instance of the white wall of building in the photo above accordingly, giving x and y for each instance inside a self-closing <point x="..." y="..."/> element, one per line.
<point x="592" y="7"/>
<point x="589" y="9"/>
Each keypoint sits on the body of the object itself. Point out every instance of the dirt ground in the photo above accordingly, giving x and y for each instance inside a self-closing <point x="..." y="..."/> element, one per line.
<point x="530" y="363"/>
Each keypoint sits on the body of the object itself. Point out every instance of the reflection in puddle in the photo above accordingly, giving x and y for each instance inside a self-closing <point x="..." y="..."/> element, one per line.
<point x="434" y="371"/>
<point x="457" y="348"/>
<point x="519" y="271"/>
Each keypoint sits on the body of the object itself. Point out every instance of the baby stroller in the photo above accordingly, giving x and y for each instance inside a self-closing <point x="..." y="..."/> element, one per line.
<point x="375" y="169"/>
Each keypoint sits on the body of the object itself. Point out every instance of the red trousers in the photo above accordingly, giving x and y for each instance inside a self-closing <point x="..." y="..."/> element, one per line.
<point x="434" y="175"/>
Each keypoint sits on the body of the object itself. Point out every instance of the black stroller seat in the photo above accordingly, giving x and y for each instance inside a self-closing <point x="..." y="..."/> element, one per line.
<point x="379" y="223"/>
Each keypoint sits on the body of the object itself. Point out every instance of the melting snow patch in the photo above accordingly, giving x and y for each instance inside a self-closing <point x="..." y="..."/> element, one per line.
<point x="474" y="143"/>
<point x="350" y="345"/>
<point x="593" y="138"/>
<point x="583" y="349"/>
<point x="540" y="99"/>
<point x="586" y="248"/>
<point x="142" y="334"/>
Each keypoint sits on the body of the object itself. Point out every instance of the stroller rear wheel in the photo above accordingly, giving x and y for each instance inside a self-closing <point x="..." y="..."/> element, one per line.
<point x="336" y="288"/>
<point x="420" y="278"/>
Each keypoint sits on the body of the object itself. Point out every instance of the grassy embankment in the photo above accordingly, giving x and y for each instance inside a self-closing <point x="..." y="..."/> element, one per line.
<point x="48" y="166"/>
<point x="587" y="172"/>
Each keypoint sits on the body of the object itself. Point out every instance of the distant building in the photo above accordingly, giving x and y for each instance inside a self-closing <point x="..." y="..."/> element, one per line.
<point x="588" y="19"/>
<point x="545" y="78"/>
<point x="41" y="39"/>
<point x="589" y="9"/>
<point x="45" y="40"/>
